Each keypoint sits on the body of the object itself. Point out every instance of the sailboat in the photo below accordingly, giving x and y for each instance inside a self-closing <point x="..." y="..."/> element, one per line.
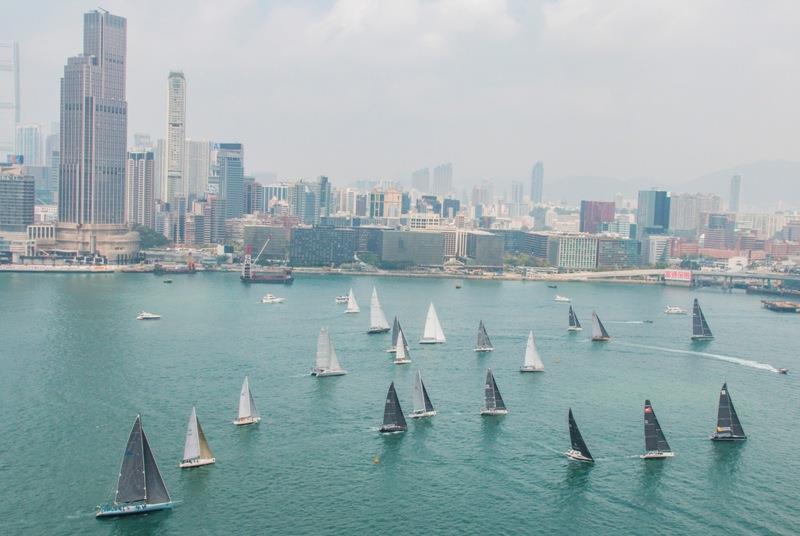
<point x="433" y="333"/>
<point x="728" y="426"/>
<point x="579" y="451"/>
<point x="494" y="402"/>
<point x="377" y="320"/>
<point x="326" y="364"/>
<point x="700" y="329"/>
<point x="532" y="362"/>
<point x="655" y="444"/>
<point x="422" y="402"/>
<point x="574" y="323"/>
<point x="352" y="304"/>
<point x="599" y="332"/>
<point x="483" y="344"/>
<point x="248" y="414"/>
<point x="195" y="450"/>
<point x="402" y="356"/>
<point x="393" y="419"/>
<point x="140" y="487"/>
<point x="395" y="333"/>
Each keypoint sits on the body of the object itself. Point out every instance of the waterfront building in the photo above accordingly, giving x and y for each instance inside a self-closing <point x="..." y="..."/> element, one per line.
<point x="17" y="197"/>
<point x="652" y="213"/>
<point x="140" y="179"/>
<point x="484" y="250"/>
<point x="656" y="249"/>
<point x="413" y="248"/>
<point x="572" y="251"/>
<point x="176" y="184"/>
<point x="421" y="180"/>
<point x="735" y="193"/>
<point x="594" y="213"/>
<point x="616" y="253"/>
<point x="255" y="236"/>
<point x="536" y="244"/>
<point x="230" y="167"/>
<point x="620" y="226"/>
<point x="322" y="246"/>
<point x="537" y="182"/>
<point x="28" y="144"/>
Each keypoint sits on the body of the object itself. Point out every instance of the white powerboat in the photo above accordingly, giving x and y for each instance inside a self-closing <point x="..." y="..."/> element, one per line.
<point x="561" y="299"/>
<point x="674" y="310"/>
<point x="144" y="315"/>
<point x="271" y="298"/>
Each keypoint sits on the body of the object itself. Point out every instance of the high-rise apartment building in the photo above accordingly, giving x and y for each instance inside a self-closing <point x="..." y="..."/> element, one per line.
<point x="735" y="193"/>
<point x="421" y="180"/>
<point x="17" y="193"/>
<point x="442" y="179"/>
<point x="10" y="115"/>
<point x="197" y="167"/>
<point x="140" y="177"/>
<point x="230" y="165"/>
<point x="176" y="185"/>
<point x="28" y="143"/>
<point x="537" y="182"/>
<point x="686" y="210"/>
<point x="593" y="213"/>
<point x="652" y="214"/>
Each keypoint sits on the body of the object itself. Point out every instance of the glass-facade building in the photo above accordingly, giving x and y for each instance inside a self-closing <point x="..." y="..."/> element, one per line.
<point x="322" y="246"/>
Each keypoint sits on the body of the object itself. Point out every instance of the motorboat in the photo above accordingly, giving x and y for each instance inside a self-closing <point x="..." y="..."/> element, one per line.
<point x="168" y="281"/>
<point x="561" y="299"/>
<point x="783" y="370"/>
<point x="552" y="286"/>
<point x="271" y="298"/>
<point x="342" y="299"/>
<point x="674" y="310"/>
<point x="144" y="315"/>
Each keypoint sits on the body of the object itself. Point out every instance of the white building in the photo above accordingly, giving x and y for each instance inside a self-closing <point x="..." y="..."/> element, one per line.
<point x="176" y="184"/>
<point x="28" y="143"/>
<point x="197" y="167"/>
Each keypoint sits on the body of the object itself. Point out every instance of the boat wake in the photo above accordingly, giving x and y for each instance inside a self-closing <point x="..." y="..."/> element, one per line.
<point x="719" y="357"/>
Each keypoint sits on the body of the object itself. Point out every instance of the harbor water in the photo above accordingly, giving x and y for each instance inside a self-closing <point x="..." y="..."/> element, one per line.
<point x="77" y="367"/>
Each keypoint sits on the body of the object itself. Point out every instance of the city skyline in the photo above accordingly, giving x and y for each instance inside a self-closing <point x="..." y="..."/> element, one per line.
<point x="295" y="130"/>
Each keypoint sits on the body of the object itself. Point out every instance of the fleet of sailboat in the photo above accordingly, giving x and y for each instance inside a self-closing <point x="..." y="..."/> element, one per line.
<point x="377" y="320"/>
<point x="423" y="407"/>
<point x="531" y="362"/>
<point x="493" y="402"/>
<point x="655" y="444"/>
<point x="574" y="323"/>
<point x="432" y="333"/>
<point x="700" y="329"/>
<point x="248" y="413"/>
<point x="579" y="451"/>
<point x="326" y="362"/>
<point x="393" y="419"/>
<point x="599" y="332"/>
<point x="402" y="355"/>
<point x="728" y="426"/>
<point x="140" y="488"/>
<point x="352" y="304"/>
<point x="196" y="451"/>
<point x="483" y="344"/>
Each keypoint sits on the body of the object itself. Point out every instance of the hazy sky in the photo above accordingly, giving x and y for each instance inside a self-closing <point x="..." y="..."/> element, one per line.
<point x="375" y="89"/>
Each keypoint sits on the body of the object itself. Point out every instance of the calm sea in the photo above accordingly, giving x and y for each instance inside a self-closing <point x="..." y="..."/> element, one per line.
<point x="77" y="368"/>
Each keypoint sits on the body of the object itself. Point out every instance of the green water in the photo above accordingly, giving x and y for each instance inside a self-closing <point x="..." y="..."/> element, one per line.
<point x="77" y="367"/>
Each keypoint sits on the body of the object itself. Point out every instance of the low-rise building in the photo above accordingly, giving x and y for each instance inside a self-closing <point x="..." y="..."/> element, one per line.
<point x="413" y="248"/>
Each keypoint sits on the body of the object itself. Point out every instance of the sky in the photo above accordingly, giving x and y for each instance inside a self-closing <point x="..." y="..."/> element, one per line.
<point x="374" y="89"/>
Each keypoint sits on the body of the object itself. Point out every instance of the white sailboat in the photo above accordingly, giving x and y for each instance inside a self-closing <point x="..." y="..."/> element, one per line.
<point x="248" y="413"/>
<point x="326" y="364"/>
<point x="433" y="333"/>
<point x="195" y="450"/>
<point x="423" y="407"/>
<point x="352" y="304"/>
<point x="402" y="356"/>
<point x="532" y="362"/>
<point x="377" y="320"/>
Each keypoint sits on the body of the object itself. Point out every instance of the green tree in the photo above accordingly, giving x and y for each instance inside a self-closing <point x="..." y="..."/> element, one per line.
<point x="150" y="238"/>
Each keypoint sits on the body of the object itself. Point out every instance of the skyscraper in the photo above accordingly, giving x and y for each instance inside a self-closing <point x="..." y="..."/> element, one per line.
<point x="736" y="190"/>
<point x="421" y="180"/>
<point x="537" y="182"/>
<point x="10" y="115"/>
<point x="230" y="162"/>
<point x="140" y="175"/>
<point x="593" y="213"/>
<point x="516" y="193"/>
<point x="198" y="167"/>
<point x="176" y="185"/>
<point x="442" y="179"/>
<point x="652" y="214"/>
<point x="28" y="143"/>
<point x="16" y="200"/>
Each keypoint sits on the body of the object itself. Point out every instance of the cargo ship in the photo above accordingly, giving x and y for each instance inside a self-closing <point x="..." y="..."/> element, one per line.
<point x="188" y="268"/>
<point x="780" y="306"/>
<point x="275" y="276"/>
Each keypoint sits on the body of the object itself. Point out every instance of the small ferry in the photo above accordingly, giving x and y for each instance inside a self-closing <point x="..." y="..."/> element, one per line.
<point x="561" y="299"/>
<point x="674" y="310"/>
<point x="144" y="315"/>
<point x="271" y="298"/>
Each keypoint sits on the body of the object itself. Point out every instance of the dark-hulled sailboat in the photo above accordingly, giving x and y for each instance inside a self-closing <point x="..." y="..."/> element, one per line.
<point x="483" y="344"/>
<point x="393" y="419"/>
<point x="728" y="426"/>
<point x="599" y="332"/>
<point x="579" y="451"/>
<point x="494" y="404"/>
<point x="655" y="444"/>
<point x="574" y="323"/>
<point x="700" y="329"/>
<point x="395" y="331"/>
<point x="140" y="487"/>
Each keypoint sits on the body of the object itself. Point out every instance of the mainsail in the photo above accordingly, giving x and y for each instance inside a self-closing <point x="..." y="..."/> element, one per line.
<point x="532" y="361"/>
<point x="196" y="445"/>
<point x="139" y="477"/>
<point x="728" y="425"/>
<point x="352" y="304"/>
<point x="323" y="360"/>
<point x="483" y="343"/>
<point x="395" y="330"/>
<point x="422" y="402"/>
<point x="392" y="412"/>
<point x="654" y="439"/>
<point x="377" y="320"/>
<point x="247" y="406"/>
<point x="492" y="394"/>
<point x="598" y="330"/>
<point x="574" y="323"/>
<point x="576" y="438"/>
<point x="700" y="329"/>
<point x="402" y="355"/>
<point x="433" y="329"/>
<point x="333" y="361"/>
<point x="156" y="491"/>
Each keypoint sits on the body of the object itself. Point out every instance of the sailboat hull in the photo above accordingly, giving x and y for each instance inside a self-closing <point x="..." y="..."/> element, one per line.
<point x="392" y="429"/>
<point x="430" y="341"/>
<point x="531" y="369"/>
<point x="244" y="421"/>
<point x="577" y="456"/>
<point x="324" y="373"/>
<point x="657" y="455"/>
<point x="197" y="462"/>
<point x="574" y="329"/>
<point x="402" y="361"/>
<point x="484" y="349"/>
<point x="492" y="412"/>
<point x="378" y="330"/>
<point x="131" y="509"/>
<point x="727" y="437"/>
<point x="601" y="339"/>
<point x="422" y="414"/>
<point x="702" y="337"/>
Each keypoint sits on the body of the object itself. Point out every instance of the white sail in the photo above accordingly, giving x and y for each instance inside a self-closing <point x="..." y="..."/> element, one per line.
<point x="191" y="448"/>
<point x="247" y="406"/>
<point x="333" y="361"/>
<point x="402" y="355"/>
<point x="433" y="329"/>
<point x="352" y="304"/>
<point x="419" y="396"/>
<point x="323" y="350"/>
<point x="532" y="361"/>
<point x="377" y="320"/>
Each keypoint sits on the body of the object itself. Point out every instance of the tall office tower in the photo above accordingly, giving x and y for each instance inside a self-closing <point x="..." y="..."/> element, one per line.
<point x="537" y="182"/>
<point x="421" y="180"/>
<point x="198" y="167"/>
<point x="10" y="115"/>
<point x="736" y="191"/>
<point x="28" y="143"/>
<point x="593" y="213"/>
<point x="516" y="193"/>
<point x="652" y="214"/>
<point x="442" y="179"/>
<point x="160" y="152"/>
<point x="176" y="137"/>
<point x="230" y="164"/>
<point x="322" y="192"/>
<point x="140" y="175"/>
